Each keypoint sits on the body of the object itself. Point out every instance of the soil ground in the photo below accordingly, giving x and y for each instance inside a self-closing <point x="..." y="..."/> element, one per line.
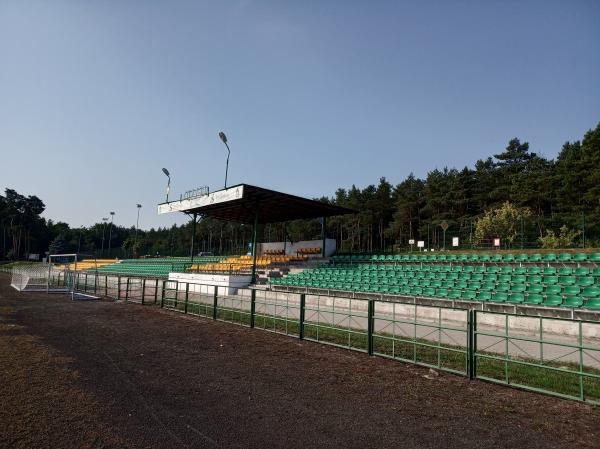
<point x="100" y="374"/>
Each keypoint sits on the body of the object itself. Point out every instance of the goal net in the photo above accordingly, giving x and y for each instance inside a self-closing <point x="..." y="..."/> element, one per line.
<point x="30" y="277"/>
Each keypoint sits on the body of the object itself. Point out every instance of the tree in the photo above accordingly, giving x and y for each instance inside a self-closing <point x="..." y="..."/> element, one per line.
<point x="58" y="245"/>
<point x="500" y="223"/>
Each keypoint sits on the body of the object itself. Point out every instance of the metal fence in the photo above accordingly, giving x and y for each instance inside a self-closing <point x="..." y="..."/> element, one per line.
<point x="555" y="356"/>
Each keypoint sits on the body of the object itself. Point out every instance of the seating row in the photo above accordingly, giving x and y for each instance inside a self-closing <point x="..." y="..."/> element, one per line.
<point x="496" y="258"/>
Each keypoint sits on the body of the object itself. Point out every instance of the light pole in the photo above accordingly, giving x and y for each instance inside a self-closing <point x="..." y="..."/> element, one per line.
<point x="223" y="137"/>
<point x="137" y="223"/>
<point x="112" y="216"/>
<point x="104" y="220"/>
<point x="79" y="244"/>
<point x="166" y="172"/>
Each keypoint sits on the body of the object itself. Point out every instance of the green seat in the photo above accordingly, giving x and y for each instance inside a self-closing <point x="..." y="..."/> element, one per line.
<point x="416" y="291"/>
<point x="497" y="258"/>
<point x="535" y="288"/>
<point x="519" y="279"/>
<point x="488" y="286"/>
<point x="505" y="278"/>
<point x="465" y="276"/>
<point x="534" y="299"/>
<point x="580" y="257"/>
<point x="519" y="271"/>
<point x="591" y="292"/>
<point x="468" y="295"/>
<point x="585" y="281"/>
<point x="454" y="294"/>
<point x="405" y="290"/>
<point x="503" y="287"/>
<point x="553" y="300"/>
<point x="507" y="270"/>
<point x="535" y="257"/>
<point x="441" y="293"/>
<point x="534" y="270"/>
<point x="493" y="269"/>
<point x="595" y="257"/>
<point x="553" y="289"/>
<point x="582" y="271"/>
<point x="452" y="258"/>
<point x="593" y="303"/>
<point x="518" y="288"/>
<point x="549" y="257"/>
<point x="565" y="257"/>
<point x="429" y="291"/>
<point x="596" y="271"/>
<point x="448" y="284"/>
<point x="573" y="301"/>
<point x="460" y="284"/>
<point x="572" y="290"/>
<point x="474" y="285"/>
<point x="534" y="279"/>
<point x="508" y="258"/>
<point x="484" y="258"/>
<point x="484" y="296"/>
<point x="516" y="298"/>
<point x="522" y="257"/>
<point x="565" y="271"/>
<point x="566" y="280"/>
<point x="477" y="277"/>
<point x="550" y="280"/>
<point x="490" y="277"/>
<point x="499" y="297"/>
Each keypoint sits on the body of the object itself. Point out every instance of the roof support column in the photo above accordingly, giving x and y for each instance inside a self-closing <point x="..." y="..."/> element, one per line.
<point x="254" y="245"/>
<point x="323" y="234"/>
<point x="193" y="238"/>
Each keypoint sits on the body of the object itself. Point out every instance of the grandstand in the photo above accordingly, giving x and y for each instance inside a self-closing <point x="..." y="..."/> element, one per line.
<point x="244" y="263"/>
<point x="156" y="267"/>
<point x="554" y="280"/>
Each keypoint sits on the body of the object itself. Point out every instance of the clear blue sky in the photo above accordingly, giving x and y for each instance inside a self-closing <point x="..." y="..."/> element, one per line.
<point x="97" y="96"/>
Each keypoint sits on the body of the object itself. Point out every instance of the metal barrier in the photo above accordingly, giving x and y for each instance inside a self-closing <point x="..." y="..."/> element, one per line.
<point x="555" y="356"/>
<point x="515" y="350"/>
<point x="431" y="336"/>
<point x="337" y="321"/>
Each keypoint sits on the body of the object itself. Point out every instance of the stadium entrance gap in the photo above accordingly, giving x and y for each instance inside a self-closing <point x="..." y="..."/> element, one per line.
<point x="249" y="204"/>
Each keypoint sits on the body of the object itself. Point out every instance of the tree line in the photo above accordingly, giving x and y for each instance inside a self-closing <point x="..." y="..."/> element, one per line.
<point x="522" y="197"/>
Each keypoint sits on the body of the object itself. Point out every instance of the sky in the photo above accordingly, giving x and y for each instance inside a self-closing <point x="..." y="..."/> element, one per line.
<point x="97" y="96"/>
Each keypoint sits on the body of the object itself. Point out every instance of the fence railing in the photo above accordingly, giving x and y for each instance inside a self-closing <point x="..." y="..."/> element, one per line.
<point x="555" y="356"/>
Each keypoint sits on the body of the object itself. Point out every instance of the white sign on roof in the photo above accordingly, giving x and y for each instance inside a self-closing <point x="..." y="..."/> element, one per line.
<point x="220" y="196"/>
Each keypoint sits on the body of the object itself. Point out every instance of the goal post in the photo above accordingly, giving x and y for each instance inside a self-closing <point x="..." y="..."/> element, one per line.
<point x="58" y="275"/>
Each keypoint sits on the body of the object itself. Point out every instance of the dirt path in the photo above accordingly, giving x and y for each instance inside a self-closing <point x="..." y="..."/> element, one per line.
<point x="99" y="374"/>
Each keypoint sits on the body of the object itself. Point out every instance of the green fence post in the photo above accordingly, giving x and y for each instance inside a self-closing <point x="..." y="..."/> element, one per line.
<point x="85" y="285"/>
<point x="95" y="283"/>
<point x="162" y="295"/>
<point x="581" y="383"/>
<point x="252" y="306"/>
<point x="127" y="290"/>
<point x="187" y="292"/>
<point x="118" y="287"/>
<point x="371" y="312"/>
<point x="473" y="348"/>
<point x="156" y="292"/>
<point x="106" y="285"/>
<point x="143" y="289"/>
<point x="176" y="294"/>
<point x="302" y="315"/>
<point x="215" y="298"/>
<point x="470" y="315"/>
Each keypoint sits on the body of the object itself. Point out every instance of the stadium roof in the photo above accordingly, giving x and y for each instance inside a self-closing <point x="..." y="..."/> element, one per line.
<point x="241" y="202"/>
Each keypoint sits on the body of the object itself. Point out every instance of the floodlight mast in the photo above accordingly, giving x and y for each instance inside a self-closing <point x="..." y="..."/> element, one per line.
<point x="137" y="223"/>
<point x="166" y="172"/>
<point x="223" y="137"/>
